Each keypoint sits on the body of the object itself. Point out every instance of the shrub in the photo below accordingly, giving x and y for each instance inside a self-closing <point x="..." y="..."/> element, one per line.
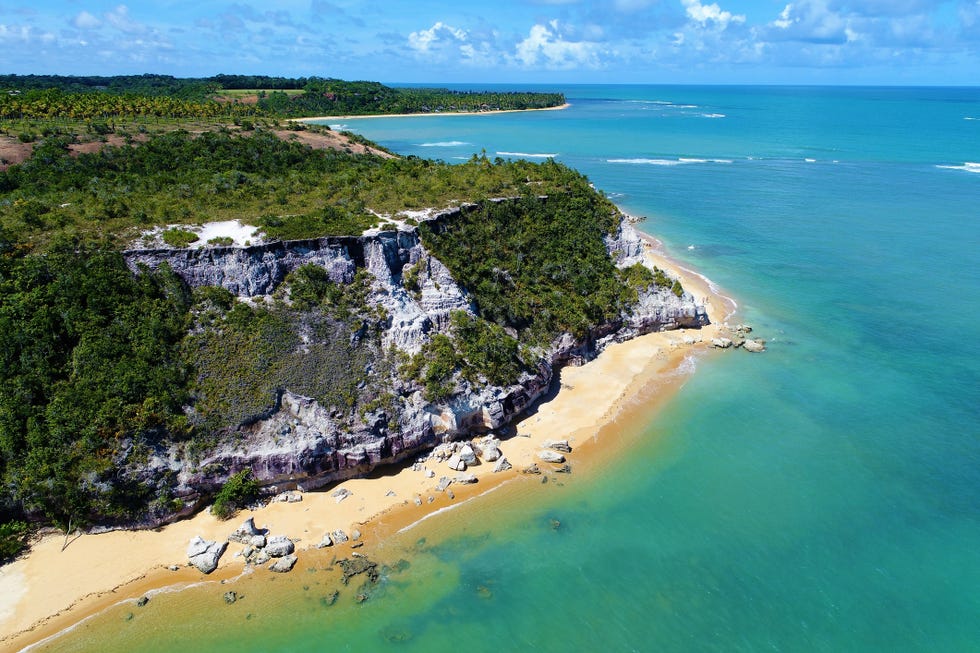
<point x="179" y="237"/>
<point x="235" y="493"/>
<point x="13" y="538"/>
<point x="223" y="241"/>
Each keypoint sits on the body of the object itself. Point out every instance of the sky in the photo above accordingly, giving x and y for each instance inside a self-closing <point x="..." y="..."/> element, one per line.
<point x="889" y="42"/>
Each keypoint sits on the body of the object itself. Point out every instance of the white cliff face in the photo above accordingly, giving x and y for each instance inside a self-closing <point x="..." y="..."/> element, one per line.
<point x="300" y="443"/>
<point x="625" y="246"/>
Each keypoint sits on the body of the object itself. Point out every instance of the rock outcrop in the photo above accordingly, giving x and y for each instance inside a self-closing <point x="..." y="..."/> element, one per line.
<point x="204" y="554"/>
<point x="300" y="442"/>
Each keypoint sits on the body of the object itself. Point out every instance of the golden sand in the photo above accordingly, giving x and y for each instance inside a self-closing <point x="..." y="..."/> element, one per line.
<point x="50" y="589"/>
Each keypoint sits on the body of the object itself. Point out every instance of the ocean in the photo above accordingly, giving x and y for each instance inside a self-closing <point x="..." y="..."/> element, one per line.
<point x="823" y="496"/>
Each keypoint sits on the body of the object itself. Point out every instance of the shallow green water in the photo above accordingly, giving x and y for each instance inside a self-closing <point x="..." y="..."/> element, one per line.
<point x="824" y="496"/>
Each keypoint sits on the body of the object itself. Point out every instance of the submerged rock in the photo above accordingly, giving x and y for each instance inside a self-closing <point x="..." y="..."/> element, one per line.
<point x="359" y="565"/>
<point x="230" y="597"/>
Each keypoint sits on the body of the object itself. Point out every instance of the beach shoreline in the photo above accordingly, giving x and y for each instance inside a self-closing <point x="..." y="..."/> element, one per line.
<point x="441" y="114"/>
<point x="50" y="590"/>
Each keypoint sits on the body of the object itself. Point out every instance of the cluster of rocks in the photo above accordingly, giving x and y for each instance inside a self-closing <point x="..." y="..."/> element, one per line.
<point x="553" y="452"/>
<point x="737" y="338"/>
<point x="331" y="538"/>
<point x="259" y="549"/>
<point x="459" y="456"/>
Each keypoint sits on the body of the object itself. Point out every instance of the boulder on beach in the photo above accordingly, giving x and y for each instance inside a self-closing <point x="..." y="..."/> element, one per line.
<point x="249" y="534"/>
<point x="283" y="564"/>
<point x="502" y="465"/>
<point x="279" y="546"/>
<point x="558" y="445"/>
<point x="456" y="463"/>
<point x="550" y="456"/>
<point x="466" y="479"/>
<point x="204" y="554"/>
<point x="754" y="346"/>
<point x="325" y="542"/>
<point x="721" y="343"/>
<point x="488" y="449"/>
<point x="339" y="536"/>
<point x="467" y="455"/>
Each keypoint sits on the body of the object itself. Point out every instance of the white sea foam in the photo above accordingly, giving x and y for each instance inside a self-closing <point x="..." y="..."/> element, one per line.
<point x="528" y="155"/>
<point x="450" y="507"/>
<point x="444" y="144"/>
<point x="340" y="127"/>
<point x="712" y="115"/>
<point x="667" y="162"/>
<point x="969" y="166"/>
<point x="688" y="366"/>
<point x="810" y="160"/>
<point x="970" y="118"/>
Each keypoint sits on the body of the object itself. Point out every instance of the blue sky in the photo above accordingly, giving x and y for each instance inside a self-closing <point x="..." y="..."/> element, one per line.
<point x="493" y="41"/>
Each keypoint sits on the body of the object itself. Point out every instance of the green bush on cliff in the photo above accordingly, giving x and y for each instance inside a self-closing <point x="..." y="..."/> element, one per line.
<point x="235" y="494"/>
<point x="537" y="265"/>
<point x="88" y="361"/>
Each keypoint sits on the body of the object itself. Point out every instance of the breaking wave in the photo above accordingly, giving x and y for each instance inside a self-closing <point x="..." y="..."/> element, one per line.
<point x="667" y="162"/>
<point x="969" y="166"/>
<point x="528" y="155"/>
<point x="444" y="144"/>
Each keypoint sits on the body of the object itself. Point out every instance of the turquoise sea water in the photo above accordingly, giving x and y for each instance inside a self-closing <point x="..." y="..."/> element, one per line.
<point x="824" y="496"/>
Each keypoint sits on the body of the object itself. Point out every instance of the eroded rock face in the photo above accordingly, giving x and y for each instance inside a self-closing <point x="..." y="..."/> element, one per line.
<point x="300" y="442"/>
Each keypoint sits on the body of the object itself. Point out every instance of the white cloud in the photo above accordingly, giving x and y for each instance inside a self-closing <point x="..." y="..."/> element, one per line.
<point x="24" y="35"/>
<point x="85" y="20"/>
<point x="119" y="18"/>
<point x="713" y="13"/>
<point x="424" y="40"/>
<point x="810" y="21"/>
<point x="545" y="45"/>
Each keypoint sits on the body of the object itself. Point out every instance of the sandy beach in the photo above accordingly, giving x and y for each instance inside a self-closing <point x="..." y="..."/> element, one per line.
<point x="440" y="114"/>
<point x="51" y="589"/>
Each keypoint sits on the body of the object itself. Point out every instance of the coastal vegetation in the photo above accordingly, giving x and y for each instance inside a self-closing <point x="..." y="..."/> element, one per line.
<point x="64" y="99"/>
<point x="101" y="369"/>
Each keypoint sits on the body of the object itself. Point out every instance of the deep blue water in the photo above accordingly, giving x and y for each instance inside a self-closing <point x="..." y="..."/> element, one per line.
<point x="824" y="496"/>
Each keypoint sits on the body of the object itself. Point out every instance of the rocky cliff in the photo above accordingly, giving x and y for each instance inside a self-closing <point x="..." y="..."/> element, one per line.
<point x="301" y="443"/>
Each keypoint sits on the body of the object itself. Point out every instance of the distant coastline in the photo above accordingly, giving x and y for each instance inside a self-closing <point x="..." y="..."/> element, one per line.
<point x="431" y="113"/>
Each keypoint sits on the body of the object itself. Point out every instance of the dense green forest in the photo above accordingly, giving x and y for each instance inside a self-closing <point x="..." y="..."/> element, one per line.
<point x="291" y="190"/>
<point x="100" y="367"/>
<point x="48" y="97"/>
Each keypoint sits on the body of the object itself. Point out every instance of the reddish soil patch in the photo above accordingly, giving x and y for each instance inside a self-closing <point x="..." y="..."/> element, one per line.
<point x="330" y="141"/>
<point x="13" y="151"/>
